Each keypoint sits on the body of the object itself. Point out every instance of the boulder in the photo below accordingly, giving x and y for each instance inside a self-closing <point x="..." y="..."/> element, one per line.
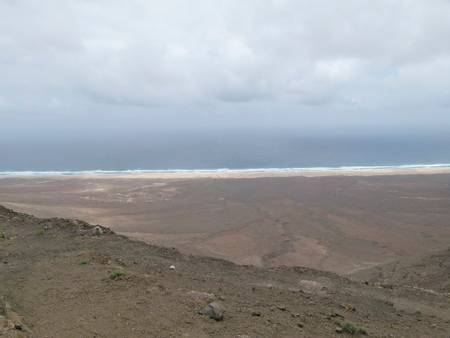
<point x="213" y="310"/>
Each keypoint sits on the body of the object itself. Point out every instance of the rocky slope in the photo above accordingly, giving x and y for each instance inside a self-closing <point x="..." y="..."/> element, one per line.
<point x="430" y="272"/>
<point x="66" y="278"/>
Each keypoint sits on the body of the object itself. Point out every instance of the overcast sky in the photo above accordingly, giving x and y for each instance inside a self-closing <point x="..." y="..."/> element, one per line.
<point x="130" y="64"/>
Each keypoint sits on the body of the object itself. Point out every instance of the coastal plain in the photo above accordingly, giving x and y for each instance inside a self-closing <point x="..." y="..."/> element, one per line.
<point x="341" y="223"/>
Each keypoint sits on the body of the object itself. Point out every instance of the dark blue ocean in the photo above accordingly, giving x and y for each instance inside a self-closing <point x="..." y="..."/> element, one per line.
<point x="191" y="150"/>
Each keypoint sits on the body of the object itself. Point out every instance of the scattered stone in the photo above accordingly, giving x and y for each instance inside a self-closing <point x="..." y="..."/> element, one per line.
<point x="213" y="310"/>
<point x="312" y="287"/>
<point x="336" y="314"/>
<point x="281" y="307"/>
<point x="97" y="231"/>
<point x="387" y="286"/>
<point x="348" y="307"/>
<point x="120" y="261"/>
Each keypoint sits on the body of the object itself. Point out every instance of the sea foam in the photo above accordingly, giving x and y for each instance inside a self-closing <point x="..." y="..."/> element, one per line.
<point x="222" y="170"/>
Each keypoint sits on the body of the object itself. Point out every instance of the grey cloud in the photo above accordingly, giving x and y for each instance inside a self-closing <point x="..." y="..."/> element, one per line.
<point x="374" y="56"/>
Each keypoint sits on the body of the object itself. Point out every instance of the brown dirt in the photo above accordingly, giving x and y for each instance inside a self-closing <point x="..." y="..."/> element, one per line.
<point x="338" y="224"/>
<point x="430" y="272"/>
<point x="55" y="277"/>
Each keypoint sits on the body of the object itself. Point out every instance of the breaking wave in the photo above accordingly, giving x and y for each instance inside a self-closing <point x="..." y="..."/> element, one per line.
<point x="221" y="170"/>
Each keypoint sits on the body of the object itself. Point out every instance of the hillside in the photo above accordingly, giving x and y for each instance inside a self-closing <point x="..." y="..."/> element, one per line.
<point x="430" y="272"/>
<point x="66" y="278"/>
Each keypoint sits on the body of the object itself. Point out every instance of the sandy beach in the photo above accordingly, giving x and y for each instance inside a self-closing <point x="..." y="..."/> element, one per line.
<point x="244" y="173"/>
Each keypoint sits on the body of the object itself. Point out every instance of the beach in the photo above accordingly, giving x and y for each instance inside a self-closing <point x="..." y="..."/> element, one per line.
<point x="241" y="173"/>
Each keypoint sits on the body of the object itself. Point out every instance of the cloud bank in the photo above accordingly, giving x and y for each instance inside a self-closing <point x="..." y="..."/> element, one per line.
<point x="374" y="62"/>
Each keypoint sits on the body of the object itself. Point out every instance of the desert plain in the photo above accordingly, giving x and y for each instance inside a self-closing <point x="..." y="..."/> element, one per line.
<point x="342" y="223"/>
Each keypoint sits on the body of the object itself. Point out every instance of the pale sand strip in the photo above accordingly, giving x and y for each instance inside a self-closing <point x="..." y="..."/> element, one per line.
<point x="243" y="174"/>
<point x="293" y="173"/>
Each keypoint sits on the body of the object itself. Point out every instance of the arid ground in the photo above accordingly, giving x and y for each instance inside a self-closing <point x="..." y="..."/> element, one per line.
<point x="338" y="223"/>
<point x="66" y="278"/>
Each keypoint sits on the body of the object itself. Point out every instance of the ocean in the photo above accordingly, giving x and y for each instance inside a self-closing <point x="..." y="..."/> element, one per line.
<point x="220" y="150"/>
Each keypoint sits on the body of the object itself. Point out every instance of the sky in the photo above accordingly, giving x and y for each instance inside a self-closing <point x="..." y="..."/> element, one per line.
<point x="108" y="65"/>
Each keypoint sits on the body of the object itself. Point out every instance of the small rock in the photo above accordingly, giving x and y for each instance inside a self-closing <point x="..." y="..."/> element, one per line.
<point x="97" y="231"/>
<point x="387" y="286"/>
<point x="281" y="307"/>
<point x="256" y="314"/>
<point x="348" y="307"/>
<point x="300" y="325"/>
<point x="172" y="267"/>
<point x="339" y="329"/>
<point x="213" y="310"/>
<point x="336" y="314"/>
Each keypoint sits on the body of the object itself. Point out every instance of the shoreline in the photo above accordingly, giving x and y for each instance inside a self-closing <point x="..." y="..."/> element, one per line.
<point x="239" y="173"/>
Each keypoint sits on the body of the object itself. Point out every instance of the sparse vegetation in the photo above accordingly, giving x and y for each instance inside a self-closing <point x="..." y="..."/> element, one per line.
<point x="353" y="329"/>
<point x="40" y="232"/>
<point x="84" y="263"/>
<point x="2" y="235"/>
<point x="116" y="275"/>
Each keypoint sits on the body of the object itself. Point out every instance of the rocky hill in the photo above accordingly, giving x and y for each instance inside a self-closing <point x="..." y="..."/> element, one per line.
<point x="67" y="278"/>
